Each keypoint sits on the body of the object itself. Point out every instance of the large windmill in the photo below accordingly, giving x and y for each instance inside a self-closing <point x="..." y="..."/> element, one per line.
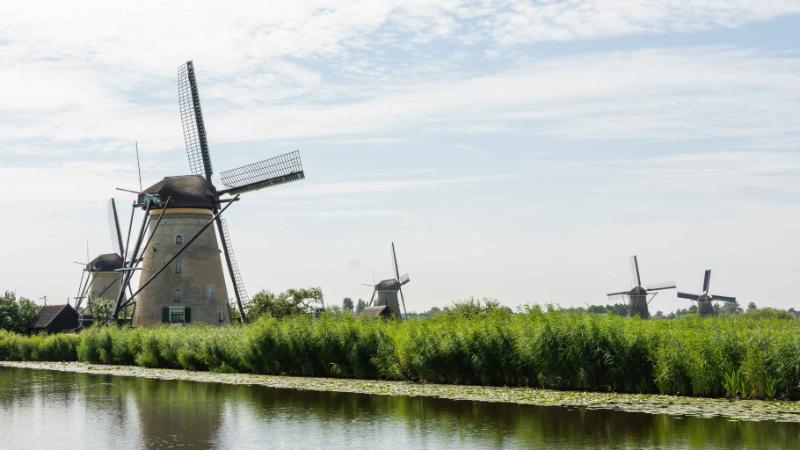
<point x="182" y="277"/>
<point x="704" y="306"/>
<point x="637" y="296"/>
<point x="101" y="277"/>
<point x="384" y="296"/>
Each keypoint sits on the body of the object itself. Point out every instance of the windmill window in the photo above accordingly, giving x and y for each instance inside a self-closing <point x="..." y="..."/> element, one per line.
<point x="177" y="315"/>
<point x="178" y="239"/>
<point x="221" y="315"/>
<point x="210" y="291"/>
<point x="178" y="266"/>
<point x="176" y="295"/>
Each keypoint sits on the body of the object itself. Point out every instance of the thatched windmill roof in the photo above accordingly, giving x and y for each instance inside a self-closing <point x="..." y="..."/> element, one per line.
<point x="388" y="285"/>
<point x="187" y="191"/>
<point x="105" y="263"/>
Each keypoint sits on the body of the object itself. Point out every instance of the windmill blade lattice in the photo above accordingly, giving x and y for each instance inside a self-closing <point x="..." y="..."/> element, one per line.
<point x="269" y="172"/>
<point x="236" y="273"/>
<point x="194" y="129"/>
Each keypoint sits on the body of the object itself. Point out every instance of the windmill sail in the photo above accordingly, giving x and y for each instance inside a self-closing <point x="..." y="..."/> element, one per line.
<point x="661" y="286"/>
<point x="399" y="280"/>
<point x="637" y="279"/>
<point x="269" y="172"/>
<point x="194" y="129"/>
<point x="113" y="227"/>
<point x="236" y="275"/>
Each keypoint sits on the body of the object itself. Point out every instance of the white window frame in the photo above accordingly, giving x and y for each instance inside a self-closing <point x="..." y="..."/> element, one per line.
<point x="177" y="295"/>
<point x="178" y="239"/>
<point x="178" y="266"/>
<point x="211" y="292"/>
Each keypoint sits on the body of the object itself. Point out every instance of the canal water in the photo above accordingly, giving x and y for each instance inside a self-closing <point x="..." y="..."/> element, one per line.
<point x="53" y="410"/>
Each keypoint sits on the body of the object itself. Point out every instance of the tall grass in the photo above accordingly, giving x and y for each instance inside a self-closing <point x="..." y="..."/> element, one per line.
<point x="737" y="356"/>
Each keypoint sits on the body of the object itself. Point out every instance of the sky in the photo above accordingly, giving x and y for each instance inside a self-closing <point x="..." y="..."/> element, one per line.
<point x="515" y="150"/>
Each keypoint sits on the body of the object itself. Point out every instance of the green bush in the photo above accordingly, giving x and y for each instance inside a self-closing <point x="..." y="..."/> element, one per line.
<point x="742" y="356"/>
<point x="56" y="347"/>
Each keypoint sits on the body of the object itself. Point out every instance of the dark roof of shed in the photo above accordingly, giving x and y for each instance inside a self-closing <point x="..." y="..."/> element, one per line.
<point x="106" y="262"/>
<point x="47" y="314"/>
<point x="372" y="312"/>
<point x="187" y="191"/>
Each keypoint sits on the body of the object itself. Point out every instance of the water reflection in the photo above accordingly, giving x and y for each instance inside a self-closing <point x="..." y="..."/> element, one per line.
<point x="59" y="410"/>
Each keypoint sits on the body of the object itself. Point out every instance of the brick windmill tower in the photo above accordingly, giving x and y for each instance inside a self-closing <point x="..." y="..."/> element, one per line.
<point x="637" y="296"/>
<point x="182" y="270"/>
<point x="101" y="277"/>
<point x="704" y="306"/>
<point x="384" y="301"/>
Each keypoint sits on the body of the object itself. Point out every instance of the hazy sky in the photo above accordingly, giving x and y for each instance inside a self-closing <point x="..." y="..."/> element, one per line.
<point x="518" y="150"/>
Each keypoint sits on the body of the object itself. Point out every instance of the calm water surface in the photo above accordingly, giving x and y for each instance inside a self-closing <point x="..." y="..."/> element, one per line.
<point x="49" y="410"/>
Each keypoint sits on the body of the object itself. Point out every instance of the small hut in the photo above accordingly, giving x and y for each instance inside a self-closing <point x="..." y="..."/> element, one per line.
<point x="55" y="319"/>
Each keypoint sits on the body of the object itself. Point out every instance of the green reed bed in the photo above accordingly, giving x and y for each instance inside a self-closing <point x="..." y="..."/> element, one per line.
<point x="725" y="356"/>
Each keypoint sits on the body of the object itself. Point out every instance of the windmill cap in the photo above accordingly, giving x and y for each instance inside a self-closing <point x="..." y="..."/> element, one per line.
<point x="187" y="191"/>
<point x="105" y="263"/>
<point x="388" y="285"/>
<point x="638" y="290"/>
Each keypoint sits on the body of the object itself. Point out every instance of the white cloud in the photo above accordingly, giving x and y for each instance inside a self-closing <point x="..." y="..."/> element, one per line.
<point x="363" y="187"/>
<point x="80" y="81"/>
<point x="283" y="70"/>
<point x="662" y="94"/>
<point x="560" y="21"/>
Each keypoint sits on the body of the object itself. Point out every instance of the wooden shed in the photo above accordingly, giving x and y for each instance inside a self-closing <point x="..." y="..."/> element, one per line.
<point x="55" y="319"/>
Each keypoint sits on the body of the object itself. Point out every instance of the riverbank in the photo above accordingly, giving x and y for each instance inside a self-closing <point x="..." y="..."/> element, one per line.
<point x="745" y="410"/>
<point x="733" y="357"/>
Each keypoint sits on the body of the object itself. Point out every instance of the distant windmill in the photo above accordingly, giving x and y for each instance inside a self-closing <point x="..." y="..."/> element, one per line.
<point x="182" y="278"/>
<point x="384" y="296"/>
<point x="637" y="297"/>
<point x="101" y="277"/>
<point x="704" y="306"/>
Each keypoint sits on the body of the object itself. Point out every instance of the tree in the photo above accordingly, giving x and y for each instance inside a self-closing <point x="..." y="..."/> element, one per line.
<point x="729" y="308"/>
<point x="751" y="306"/>
<point x="289" y="303"/>
<point x="360" y="305"/>
<point x="769" y="313"/>
<point x="472" y="307"/>
<point x="236" y="317"/>
<point x="347" y="304"/>
<point x="16" y="314"/>
<point x="102" y="310"/>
